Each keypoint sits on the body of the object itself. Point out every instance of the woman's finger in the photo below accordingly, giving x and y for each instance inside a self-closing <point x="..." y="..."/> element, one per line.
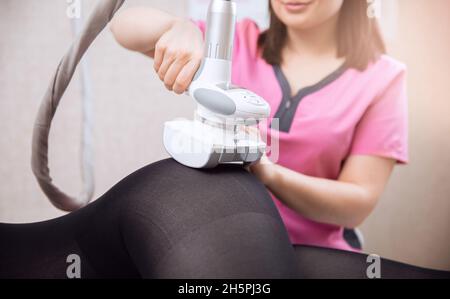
<point x="172" y="73"/>
<point x="158" y="57"/>
<point x="168" y="59"/>
<point x="186" y="75"/>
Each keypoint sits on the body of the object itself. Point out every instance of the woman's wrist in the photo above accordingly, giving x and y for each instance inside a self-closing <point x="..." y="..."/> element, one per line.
<point x="181" y="21"/>
<point x="271" y="175"/>
<point x="265" y="170"/>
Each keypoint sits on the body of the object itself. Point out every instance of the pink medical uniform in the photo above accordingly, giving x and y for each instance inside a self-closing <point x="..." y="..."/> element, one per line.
<point x="348" y="113"/>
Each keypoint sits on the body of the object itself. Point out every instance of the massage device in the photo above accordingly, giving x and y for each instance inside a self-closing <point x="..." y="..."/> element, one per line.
<point x="219" y="132"/>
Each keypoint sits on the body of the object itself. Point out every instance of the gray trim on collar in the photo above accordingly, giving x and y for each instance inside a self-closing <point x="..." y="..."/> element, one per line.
<point x="289" y="104"/>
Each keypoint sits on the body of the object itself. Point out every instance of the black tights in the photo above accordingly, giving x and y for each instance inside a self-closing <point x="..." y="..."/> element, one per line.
<point x="169" y="221"/>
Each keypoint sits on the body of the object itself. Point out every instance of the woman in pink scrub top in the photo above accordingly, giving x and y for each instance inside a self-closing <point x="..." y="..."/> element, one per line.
<point x="339" y="106"/>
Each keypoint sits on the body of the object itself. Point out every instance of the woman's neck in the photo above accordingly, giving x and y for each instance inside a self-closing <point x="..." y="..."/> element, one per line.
<point x="317" y="41"/>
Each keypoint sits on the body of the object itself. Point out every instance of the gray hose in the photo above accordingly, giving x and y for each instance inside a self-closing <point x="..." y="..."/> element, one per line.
<point x="87" y="138"/>
<point x="100" y="17"/>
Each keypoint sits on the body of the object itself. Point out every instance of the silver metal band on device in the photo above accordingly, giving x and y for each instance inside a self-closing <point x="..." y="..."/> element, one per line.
<point x="219" y="37"/>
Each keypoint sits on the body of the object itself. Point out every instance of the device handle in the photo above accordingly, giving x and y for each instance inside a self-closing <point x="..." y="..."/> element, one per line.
<point x="97" y="21"/>
<point x="220" y="29"/>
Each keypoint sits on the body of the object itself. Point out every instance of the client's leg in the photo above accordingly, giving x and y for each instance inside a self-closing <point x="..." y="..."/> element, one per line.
<point x="184" y="223"/>
<point x="325" y="263"/>
<point x="165" y="220"/>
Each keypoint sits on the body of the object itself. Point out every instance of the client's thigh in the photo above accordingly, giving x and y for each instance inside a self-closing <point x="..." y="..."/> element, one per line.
<point x="325" y="263"/>
<point x="164" y="220"/>
<point x="178" y="222"/>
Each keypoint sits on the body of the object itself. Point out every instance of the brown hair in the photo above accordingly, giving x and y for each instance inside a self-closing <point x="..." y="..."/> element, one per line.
<point x="359" y="38"/>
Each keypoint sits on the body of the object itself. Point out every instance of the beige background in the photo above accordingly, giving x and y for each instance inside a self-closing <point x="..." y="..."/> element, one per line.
<point x="412" y="221"/>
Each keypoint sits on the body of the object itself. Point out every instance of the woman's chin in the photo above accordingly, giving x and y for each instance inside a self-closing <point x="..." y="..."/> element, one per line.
<point x="296" y="23"/>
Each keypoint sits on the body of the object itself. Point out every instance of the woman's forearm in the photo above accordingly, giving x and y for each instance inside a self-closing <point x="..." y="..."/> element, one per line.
<point x="346" y="201"/>
<point x="322" y="200"/>
<point x="139" y="29"/>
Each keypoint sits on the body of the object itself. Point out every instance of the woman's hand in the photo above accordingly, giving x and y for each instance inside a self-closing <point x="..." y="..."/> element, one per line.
<point x="176" y="44"/>
<point x="263" y="170"/>
<point x="178" y="55"/>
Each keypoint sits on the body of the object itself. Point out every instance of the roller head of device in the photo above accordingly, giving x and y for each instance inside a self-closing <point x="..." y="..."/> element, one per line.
<point x="218" y="134"/>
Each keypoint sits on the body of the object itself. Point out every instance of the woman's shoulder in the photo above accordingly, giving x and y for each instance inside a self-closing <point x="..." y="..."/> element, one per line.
<point x="248" y="25"/>
<point x="382" y="73"/>
<point x="247" y="34"/>
<point x="387" y="67"/>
